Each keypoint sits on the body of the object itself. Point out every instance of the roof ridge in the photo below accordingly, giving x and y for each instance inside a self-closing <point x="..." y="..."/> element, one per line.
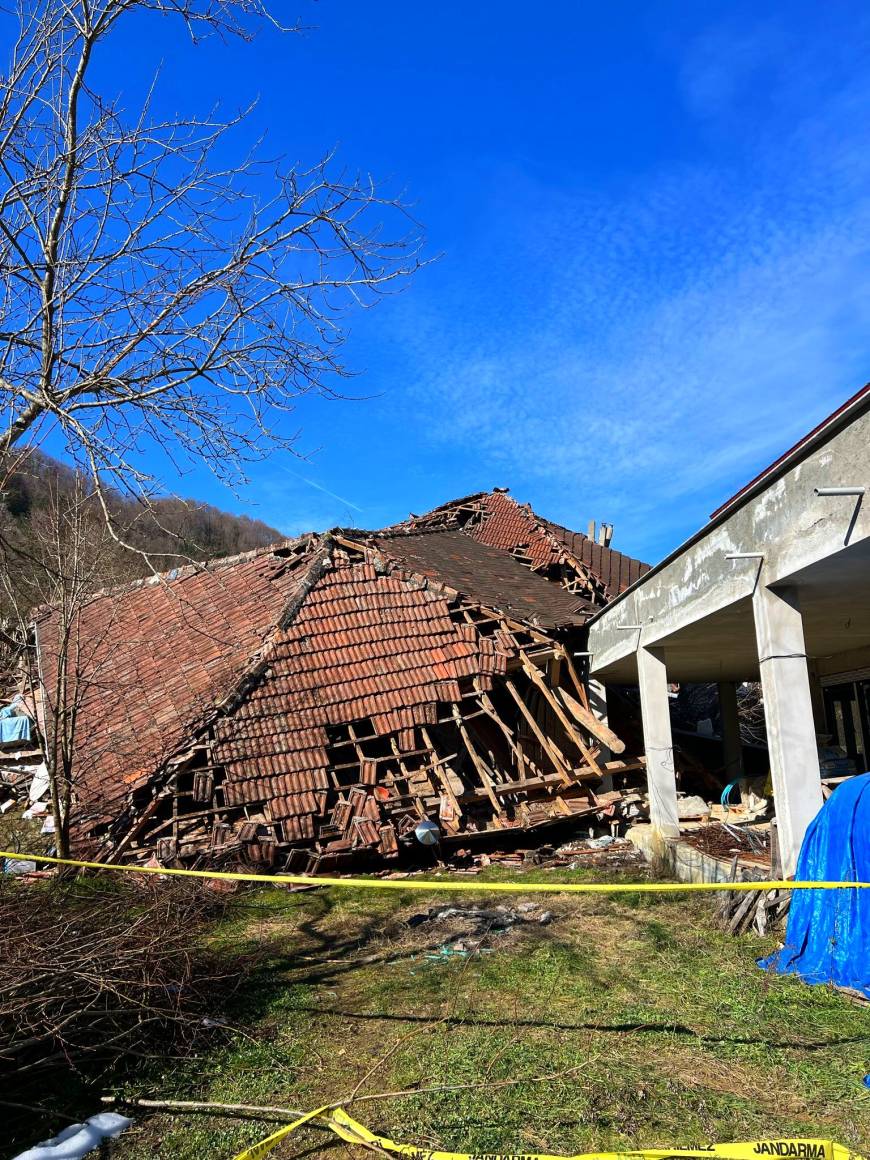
<point x="318" y="564"/>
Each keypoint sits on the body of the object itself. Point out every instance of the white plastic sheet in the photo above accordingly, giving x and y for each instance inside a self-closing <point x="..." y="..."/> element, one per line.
<point x="77" y="1140"/>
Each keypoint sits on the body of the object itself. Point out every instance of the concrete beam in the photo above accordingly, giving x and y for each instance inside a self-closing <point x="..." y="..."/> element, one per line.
<point x="788" y="709"/>
<point x="652" y="678"/>
<point x="732" y="747"/>
<point x="793" y="526"/>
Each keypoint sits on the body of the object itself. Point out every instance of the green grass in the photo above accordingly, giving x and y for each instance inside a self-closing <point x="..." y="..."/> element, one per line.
<point x="665" y="1031"/>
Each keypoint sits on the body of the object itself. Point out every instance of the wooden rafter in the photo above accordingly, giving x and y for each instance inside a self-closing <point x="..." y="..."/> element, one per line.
<point x="547" y="693"/>
<point x="590" y="722"/>
<point x="560" y="762"/>
<point x="443" y="778"/>
<point x="482" y="771"/>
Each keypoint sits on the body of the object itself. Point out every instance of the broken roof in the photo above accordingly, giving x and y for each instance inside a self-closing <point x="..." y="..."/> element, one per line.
<point x="497" y="519"/>
<point x="271" y="661"/>
<point x="486" y="574"/>
<point x="154" y="656"/>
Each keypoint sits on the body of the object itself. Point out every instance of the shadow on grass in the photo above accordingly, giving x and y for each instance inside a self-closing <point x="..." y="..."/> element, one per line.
<point x="615" y="1028"/>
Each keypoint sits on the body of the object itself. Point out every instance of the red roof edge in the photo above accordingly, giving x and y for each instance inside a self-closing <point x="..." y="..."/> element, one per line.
<point x="849" y="403"/>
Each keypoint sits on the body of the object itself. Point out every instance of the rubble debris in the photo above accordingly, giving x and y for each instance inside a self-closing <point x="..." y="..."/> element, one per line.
<point x="757" y="910"/>
<point x="724" y="841"/>
<point x="309" y="706"/>
<point x="471" y="928"/>
<point x="605" y="852"/>
<point x="692" y="807"/>
<point x="23" y="773"/>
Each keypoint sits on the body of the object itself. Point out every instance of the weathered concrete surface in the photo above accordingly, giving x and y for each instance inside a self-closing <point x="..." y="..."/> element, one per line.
<point x="797" y="590"/>
<point x="791" y="729"/>
<point x="658" y="743"/>
<point x="684" y="862"/>
<point x="820" y="543"/>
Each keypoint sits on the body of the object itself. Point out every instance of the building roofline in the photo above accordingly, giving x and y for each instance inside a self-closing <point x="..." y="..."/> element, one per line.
<point x="835" y="422"/>
<point x="850" y="406"/>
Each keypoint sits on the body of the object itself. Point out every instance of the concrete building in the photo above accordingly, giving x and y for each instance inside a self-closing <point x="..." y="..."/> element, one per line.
<point x="776" y="588"/>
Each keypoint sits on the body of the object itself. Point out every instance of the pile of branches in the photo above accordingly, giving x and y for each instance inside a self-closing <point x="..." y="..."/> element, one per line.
<point x="91" y="975"/>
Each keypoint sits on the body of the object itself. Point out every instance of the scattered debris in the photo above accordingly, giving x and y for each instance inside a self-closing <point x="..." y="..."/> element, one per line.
<point x="23" y="773"/>
<point x="692" y="807"/>
<point x="74" y="1142"/>
<point x="761" y="909"/>
<point x="468" y="930"/>
<point x="606" y="852"/>
<point x="721" y="840"/>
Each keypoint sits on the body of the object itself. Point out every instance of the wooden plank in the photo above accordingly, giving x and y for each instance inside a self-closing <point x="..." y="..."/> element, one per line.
<point x="137" y="825"/>
<point x="182" y="819"/>
<point x="625" y="766"/>
<point x="590" y="722"/>
<point x="443" y="779"/>
<point x="559" y="762"/>
<point x="578" y="684"/>
<point x="547" y="693"/>
<point x="534" y="633"/>
<point x="522" y="760"/>
<point x="543" y="655"/>
<point x="483" y="773"/>
<point x="544" y="781"/>
<point x="749" y="900"/>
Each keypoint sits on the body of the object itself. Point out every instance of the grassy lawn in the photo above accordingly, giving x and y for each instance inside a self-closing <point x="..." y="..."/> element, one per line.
<point x="656" y="1029"/>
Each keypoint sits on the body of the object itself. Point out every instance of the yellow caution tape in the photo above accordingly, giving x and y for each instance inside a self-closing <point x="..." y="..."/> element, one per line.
<point x="264" y="1147"/>
<point x="353" y="1132"/>
<point x="447" y="885"/>
<point x="349" y="1130"/>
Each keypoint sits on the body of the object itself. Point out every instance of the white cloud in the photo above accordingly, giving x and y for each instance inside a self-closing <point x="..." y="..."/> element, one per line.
<point x="671" y="339"/>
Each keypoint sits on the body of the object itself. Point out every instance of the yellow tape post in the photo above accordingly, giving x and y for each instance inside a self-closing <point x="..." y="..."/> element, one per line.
<point x="447" y="885"/>
<point x="352" y="1132"/>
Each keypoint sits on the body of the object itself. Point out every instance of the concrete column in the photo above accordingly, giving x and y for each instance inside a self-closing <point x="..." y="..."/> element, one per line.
<point x="788" y="710"/>
<point x="818" y="698"/>
<point x="598" y="704"/>
<point x="652" y="678"/>
<point x="731" y="745"/>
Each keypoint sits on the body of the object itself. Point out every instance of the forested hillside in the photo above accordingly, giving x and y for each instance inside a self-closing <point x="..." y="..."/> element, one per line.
<point x="182" y="527"/>
<point x="51" y="523"/>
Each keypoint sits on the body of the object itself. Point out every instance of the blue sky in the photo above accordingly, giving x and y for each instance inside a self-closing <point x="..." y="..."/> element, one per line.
<point x="653" y="224"/>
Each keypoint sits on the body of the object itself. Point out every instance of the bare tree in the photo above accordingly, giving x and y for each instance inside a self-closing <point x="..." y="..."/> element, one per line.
<point x="148" y="294"/>
<point x="69" y="554"/>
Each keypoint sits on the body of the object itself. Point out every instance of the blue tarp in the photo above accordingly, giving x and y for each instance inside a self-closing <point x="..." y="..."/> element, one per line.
<point x="14" y="729"/>
<point x="827" y="939"/>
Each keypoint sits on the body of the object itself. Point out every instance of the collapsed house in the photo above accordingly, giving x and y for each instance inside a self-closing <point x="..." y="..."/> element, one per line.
<point x="315" y="702"/>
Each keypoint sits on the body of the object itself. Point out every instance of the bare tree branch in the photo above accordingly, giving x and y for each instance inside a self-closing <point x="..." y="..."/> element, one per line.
<point x="148" y="296"/>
